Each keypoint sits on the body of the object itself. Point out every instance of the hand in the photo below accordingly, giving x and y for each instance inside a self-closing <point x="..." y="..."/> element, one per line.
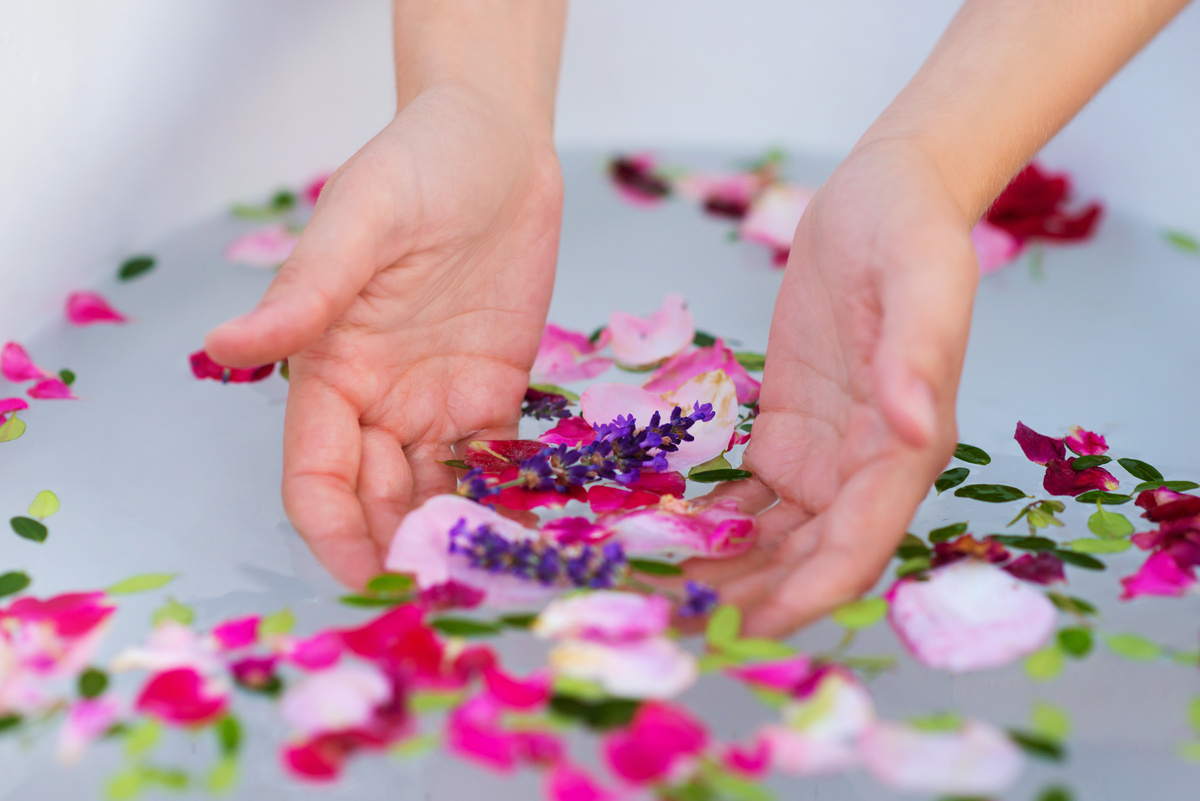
<point x="411" y="311"/>
<point x="857" y="406"/>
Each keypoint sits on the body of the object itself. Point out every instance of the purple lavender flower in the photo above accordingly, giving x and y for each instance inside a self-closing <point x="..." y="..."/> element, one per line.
<point x="578" y="565"/>
<point x="545" y="405"/>
<point x="700" y="600"/>
<point x="475" y="487"/>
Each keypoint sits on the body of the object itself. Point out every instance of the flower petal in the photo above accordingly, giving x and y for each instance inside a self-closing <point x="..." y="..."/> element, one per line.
<point x="1086" y="443"/>
<point x="182" y="697"/>
<point x="1039" y="448"/>
<point x="1162" y="575"/>
<point x="340" y="697"/>
<point x="267" y="247"/>
<point x="677" y="527"/>
<point x="12" y="405"/>
<point x="655" y="742"/>
<point x="640" y="342"/>
<point x="655" y="667"/>
<point x="978" y="760"/>
<point x="204" y="367"/>
<point x="564" y="356"/>
<point x="604" y="616"/>
<point x="87" y="308"/>
<point x="1063" y="479"/>
<point x="684" y="366"/>
<point x="994" y="247"/>
<point x="17" y="367"/>
<point x="51" y="389"/>
<point x="570" y="431"/>
<point x="774" y="216"/>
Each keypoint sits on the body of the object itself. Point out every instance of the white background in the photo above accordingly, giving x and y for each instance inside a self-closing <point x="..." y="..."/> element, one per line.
<point x="122" y="119"/>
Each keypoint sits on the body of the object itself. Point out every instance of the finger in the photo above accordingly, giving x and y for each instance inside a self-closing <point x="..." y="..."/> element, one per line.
<point x="923" y="338"/>
<point x="338" y="253"/>
<point x="773" y="529"/>
<point x="385" y="485"/>
<point x="430" y="477"/>
<point x="322" y="445"/>
<point x="847" y="547"/>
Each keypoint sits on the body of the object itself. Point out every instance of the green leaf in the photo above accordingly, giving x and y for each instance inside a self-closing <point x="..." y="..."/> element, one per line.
<point x="1075" y="641"/>
<point x="1099" y="546"/>
<point x="912" y="546"/>
<point x="654" y="568"/>
<point x="723" y="626"/>
<point x="1139" y="469"/>
<point x="9" y="722"/>
<point x="124" y="786"/>
<point x="519" y="620"/>
<point x="1080" y="560"/>
<point x="13" y="582"/>
<point x="222" y="777"/>
<point x="1037" y="745"/>
<point x="1194" y="714"/>
<point x="425" y="703"/>
<point x="715" y="476"/>
<point x="391" y="584"/>
<point x="285" y="370"/>
<point x="1109" y="525"/>
<point x="1045" y="664"/>
<point x="175" y="611"/>
<point x="44" y="505"/>
<point x="1070" y="604"/>
<point x="579" y="688"/>
<point x="370" y="601"/>
<point x="170" y="778"/>
<point x="28" y="528"/>
<point x="417" y="746"/>
<point x="1189" y="751"/>
<point x="13" y="429"/>
<point x="1025" y="543"/>
<point x="1174" y="486"/>
<point x="229" y="735"/>
<point x="1086" y="462"/>
<point x="458" y="464"/>
<point x="1106" y="498"/>
<point x="937" y="722"/>
<point x="1133" y="647"/>
<point x="92" y="683"/>
<point x="718" y="462"/>
<point x="276" y="623"/>
<point x="947" y="533"/>
<point x="951" y="478"/>
<point x="971" y="454"/>
<point x="757" y="650"/>
<point x="1182" y="240"/>
<point x="465" y="627"/>
<point x="141" y="738"/>
<point x="1055" y="793"/>
<point x="599" y="715"/>
<point x="142" y="583"/>
<point x="1051" y="721"/>
<point x="913" y="565"/>
<point x="135" y="266"/>
<point x="1039" y="518"/>
<point x="734" y="788"/>
<point x="860" y="614"/>
<point x="594" y="337"/>
<point x="754" y="362"/>
<point x="554" y="389"/>
<point x="703" y="339"/>
<point x="990" y="493"/>
<point x="713" y="662"/>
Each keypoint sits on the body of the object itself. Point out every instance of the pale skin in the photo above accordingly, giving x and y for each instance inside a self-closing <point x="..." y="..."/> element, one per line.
<point x="412" y="308"/>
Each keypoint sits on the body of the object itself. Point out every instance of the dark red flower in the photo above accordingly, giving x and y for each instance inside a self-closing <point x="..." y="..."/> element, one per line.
<point x="204" y="367"/>
<point x="1038" y="568"/>
<point x="1063" y="479"/>
<point x="1034" y="207"/>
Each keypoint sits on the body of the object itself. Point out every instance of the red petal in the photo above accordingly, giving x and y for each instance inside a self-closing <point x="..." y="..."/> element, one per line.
<point x="1039" y="448"/>
<point x="493" y="456"/>
<point x="1040" y="568"/>
<point x="1063" y="479"/>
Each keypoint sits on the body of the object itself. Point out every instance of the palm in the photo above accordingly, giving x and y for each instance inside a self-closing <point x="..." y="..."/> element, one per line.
<point x="877" y="293"/>
<point x="450" y="219"/>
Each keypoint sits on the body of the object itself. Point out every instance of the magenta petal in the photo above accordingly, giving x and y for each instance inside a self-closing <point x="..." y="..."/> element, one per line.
<point x="783" y="675"/>
<point x="312" y="189"/>
<point x="684" y="366"/>
<point x="1063" y="479"/>
<point x="51" y="389"/>
<point x="516" y="693"/>
<point x="656" y="741"/>
<point x="238" y="633"/>
<point x="181" y="697"/>
<point x="12" y="405"/>
<point x="994" y="247"/>
<point x="204" y="367"/>
<point x="1161" y="574"/>
<point x="1039" y="568"/>
<point x="570" y="431"/>
<point x="16" y="365"/>
<point x="1039" y="448"/>
<point x="568" y="783"/>
<point x="563" y="356"/>
<point x="1086" y="443"/>
<point x="87" y="308"/>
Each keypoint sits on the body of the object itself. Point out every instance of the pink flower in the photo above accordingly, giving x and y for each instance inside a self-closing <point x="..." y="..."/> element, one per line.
<point x="87" y="308"/>
<point x="1086" y="443"/>
<point x="994" y="246"/>
<point x="238" y="633"/>
<point x="17" y="367"/>
<point x="685" y="366"/>
<point x="51" y="389"/>
<point x="603" y="403"/>
<point x="569" y="783"/>
<point x="640" y="342"/>
<point x="570" y="431"/>
<point x="978" y="760"/>
<point x="12" y="405"/>
<point x="1161" y="574"/>
<point x="86" y="721"/>
<point x="1039" y="448"/>
<point x="969" y="615"/>
<point x="182" y="697"/>
<point x="1063" y="479"/>
<point x="312" y="190"/>
<point x="684" y="528"/>
<point x="781" y="675"/>
<point x="266" y="247"/>
<point x="204" y="367"/>
<point x="604" y="616"/>
<point x="773" y="218"/>
<point x="338" y="698"/>
<point x="659" y="743"/>
<point x="562" y="357"/>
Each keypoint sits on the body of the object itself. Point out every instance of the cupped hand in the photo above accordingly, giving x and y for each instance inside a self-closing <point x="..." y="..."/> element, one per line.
<point x="410" y="311"/>
<point x="857" y="406"/>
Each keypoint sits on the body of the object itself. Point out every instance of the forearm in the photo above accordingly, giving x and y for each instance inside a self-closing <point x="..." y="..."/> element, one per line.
<point x="1005" y="77"/>
<point x="507" y="49"/>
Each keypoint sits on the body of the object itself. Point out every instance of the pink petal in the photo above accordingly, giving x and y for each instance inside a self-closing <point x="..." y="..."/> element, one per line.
<point x="774" y="216"/>
<point x="979" y="760"/>
<point x="316" y="652"/>
<point x="473" y="732"/>
<point x="338" y="698"/>
<point x="1086" y="443"/>
<point x="204" y="367"/>
<point x="1159" y="575"/>
<point x="570" y="431"/>
<point x="684" y="528"/>
<point x="17" y="366"/>
<point x="575" y="530"/>
<point x="12" y="405"/>
<point x="782" y="675"/>
<point x="970" y="615"/>
<point x="1063" y="479"/>
<point x="238" y="633"/>
<point x="604" y="499"/>
<point x="312" y="190"/>
<point x="86" y="721"/>
<point x="568" y="783"/>
<point x="796" y="753"/>
<point x="561" y="357"/>
<point x="684" y="366"/>
<point x="722" y="195"/>
<point x="181" y="697"/>
<point x="266" y="247"/>
<point x="658" y="738"/>
<point x="86" y="308"/>
<point x="994" y="247"/>
<point x="516" y="693"/>
<point x="753" y="762"/>
<point x="604" y="616"/>
<point x="653" y="667"/>
<point x="51" y="389"/>
<point x="1038" y="448"/>
<point x="646" y="341"/>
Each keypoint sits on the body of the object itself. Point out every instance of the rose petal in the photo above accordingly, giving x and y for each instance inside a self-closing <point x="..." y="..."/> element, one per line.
<point x="51" y="389"/>
<point x="654" y="744"/>
<point x="1038" y="448"/>
<point x="204" y="367"/>
<point x="994" y="247"/>
<point x="646" y="668"/>
<point x="639" y="342"/>
<point x="1063" y="479"/>
<point x="17" y="367"/>
<point x="182" y="697"/>
<point x="87" y="308"/>
<point x="684" y="366"/>
<point x="683" y="528"/>
<point x="496" y="455"/>
<point x="979" y="760"/>
<point x="1040" y="568"/>
<point x="562" y="357"/>
<point x="267" y="247"/>
<point x="340" y="697"/>
<point x="570" y="431"/>
<point x="1086" y="443"/>
<point x="1159" y="575"/>
<point x="774" y="216"/>
<point x="12" y="405"/>
<point x="604" y="616"/>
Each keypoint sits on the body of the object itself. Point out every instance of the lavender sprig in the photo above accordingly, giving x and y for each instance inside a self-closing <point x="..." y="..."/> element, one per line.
<point x="578" y="565"/>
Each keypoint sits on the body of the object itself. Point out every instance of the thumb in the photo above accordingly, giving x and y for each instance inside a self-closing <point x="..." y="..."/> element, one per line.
<point x="340" y="250"/>
<point x="927" y="304"/>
